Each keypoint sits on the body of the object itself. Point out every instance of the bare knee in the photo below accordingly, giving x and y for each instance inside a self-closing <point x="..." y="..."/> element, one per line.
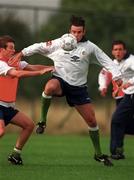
<point x="2" y="132"/>
<point x="91" y="120"/>
<point x="50" y="90"/>
<point x="2" y="128"/>
<point x="29" y="126"/>
<point x="53" y="88"/>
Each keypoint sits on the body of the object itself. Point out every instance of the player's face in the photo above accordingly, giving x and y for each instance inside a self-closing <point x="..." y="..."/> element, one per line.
<point x="118" y="52"/>
<point x="9" y="50"/>
<point x="78" y="32"/>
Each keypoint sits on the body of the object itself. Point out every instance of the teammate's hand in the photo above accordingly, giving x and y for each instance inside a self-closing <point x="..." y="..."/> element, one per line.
<point x="119" y="82"/>
<point x="103" y="92"/>
<point x="126" y="85"/>
<point x="15" y="59"/>
<point x="47" y="69"/>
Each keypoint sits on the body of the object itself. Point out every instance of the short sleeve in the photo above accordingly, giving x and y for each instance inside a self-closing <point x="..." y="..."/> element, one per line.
<point x="23" y="64"/>
<point x="4" y="68"/>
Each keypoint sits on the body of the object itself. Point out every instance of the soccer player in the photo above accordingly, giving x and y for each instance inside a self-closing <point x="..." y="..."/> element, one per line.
<point x="70" y="78"/>
<point x="10" y="72"/>
<point x="119" y="53"/>
<point x="122" y="59"/>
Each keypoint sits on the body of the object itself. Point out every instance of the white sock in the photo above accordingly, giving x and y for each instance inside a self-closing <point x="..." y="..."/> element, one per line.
<point x="17" y="150"/>
<point x="93" y="128"/>
<point x="46" y="96"/>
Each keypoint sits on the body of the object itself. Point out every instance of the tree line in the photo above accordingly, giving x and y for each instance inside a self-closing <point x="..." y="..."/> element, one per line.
<point x="105" y="21"/>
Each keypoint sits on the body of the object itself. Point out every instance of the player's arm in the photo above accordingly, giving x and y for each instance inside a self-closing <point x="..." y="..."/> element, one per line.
<point x="43" y="48"/>
<point x="30" y="67"/>
<point x="24" y="73"/>
<point x="30" y="50"/>
<point x="107" y="62"/>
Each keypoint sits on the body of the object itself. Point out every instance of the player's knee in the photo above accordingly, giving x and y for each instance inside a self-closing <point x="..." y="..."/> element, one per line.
<point x="49" y="90"/>
<point x="92" y="121"/>
<point x="30" y="126"/>
<point x="2" y="132"/>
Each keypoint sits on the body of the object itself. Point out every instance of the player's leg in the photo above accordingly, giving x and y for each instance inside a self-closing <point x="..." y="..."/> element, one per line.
<point x="52" y="88"/>
<point x="123" y="113"/>
<point x="45" y="103"/>
<point x="2" y="127"/>
<point x="117" y="140"/>
<point x="27" y="126"/>
<point x="88" y="114"/>
<point x="2" y="123"/>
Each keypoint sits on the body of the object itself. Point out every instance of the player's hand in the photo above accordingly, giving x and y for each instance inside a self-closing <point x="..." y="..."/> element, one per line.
<point x="15" y="59"/>
<point x="126" y="85"/>
<point x="119" y="82"/>
<point x="103" y="92"/>
<point x="115" y="93"/>
<point x="47" y="69"/>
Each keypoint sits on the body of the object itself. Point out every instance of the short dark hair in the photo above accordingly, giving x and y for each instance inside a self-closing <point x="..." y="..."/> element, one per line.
<point x="77" y="21"/>
<point x="4" y="40"/>
<point x="116" y="42"/>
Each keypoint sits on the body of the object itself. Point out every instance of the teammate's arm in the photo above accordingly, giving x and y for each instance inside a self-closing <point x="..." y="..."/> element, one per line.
<point x="24" y="73"/>
<point x="30" y="67"/>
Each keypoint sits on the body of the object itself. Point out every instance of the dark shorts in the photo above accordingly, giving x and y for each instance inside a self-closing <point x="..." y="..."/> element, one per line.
<point x="75" y="95"/>
<point x="7" y="113"/>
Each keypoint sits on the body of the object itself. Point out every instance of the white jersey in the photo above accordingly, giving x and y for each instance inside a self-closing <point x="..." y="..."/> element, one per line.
<point x="104" y="78"/>
<point x="127" y="70"/>
<point x="126" y="67"/>
<point x="72" y="66"/>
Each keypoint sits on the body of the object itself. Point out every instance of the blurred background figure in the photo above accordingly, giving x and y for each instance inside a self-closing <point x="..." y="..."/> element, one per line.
<point x="121" y="56"/>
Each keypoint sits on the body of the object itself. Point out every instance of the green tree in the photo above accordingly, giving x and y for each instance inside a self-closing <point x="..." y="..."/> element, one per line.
<point x="22" y="35"/>
<point x="9" y="24"/>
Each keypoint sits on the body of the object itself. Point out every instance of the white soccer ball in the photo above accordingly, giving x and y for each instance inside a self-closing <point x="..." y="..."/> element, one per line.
<point x="68" y="42"/>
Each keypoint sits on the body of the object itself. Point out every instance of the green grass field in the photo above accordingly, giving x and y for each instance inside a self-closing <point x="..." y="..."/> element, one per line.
<point x="63" y="157"/>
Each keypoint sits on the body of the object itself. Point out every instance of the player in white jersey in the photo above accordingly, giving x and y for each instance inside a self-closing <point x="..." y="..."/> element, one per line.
<point x="70" y="78"/>
<point x="120" y="55"/>
<point x="122" y="119"/>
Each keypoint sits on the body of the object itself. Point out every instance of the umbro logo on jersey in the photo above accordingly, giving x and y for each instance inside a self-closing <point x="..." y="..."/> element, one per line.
<point x="75" y="59"/>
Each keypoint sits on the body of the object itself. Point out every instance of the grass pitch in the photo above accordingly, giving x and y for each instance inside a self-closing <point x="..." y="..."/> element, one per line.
<point x="63" y="157"/>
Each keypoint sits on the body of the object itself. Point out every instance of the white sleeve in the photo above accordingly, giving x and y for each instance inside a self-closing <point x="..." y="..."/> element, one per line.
<point x="106" y="62"/>
<point x="131" y="80"/>
<point x="22" y="64"/>
<point x="130" y="65"/>
<point x="131" y="62"/>
<point x="4" y="68"/>
<point x="33" y="49"/>
<point x="43" y="48"/>
<point x="102" y="79"/>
